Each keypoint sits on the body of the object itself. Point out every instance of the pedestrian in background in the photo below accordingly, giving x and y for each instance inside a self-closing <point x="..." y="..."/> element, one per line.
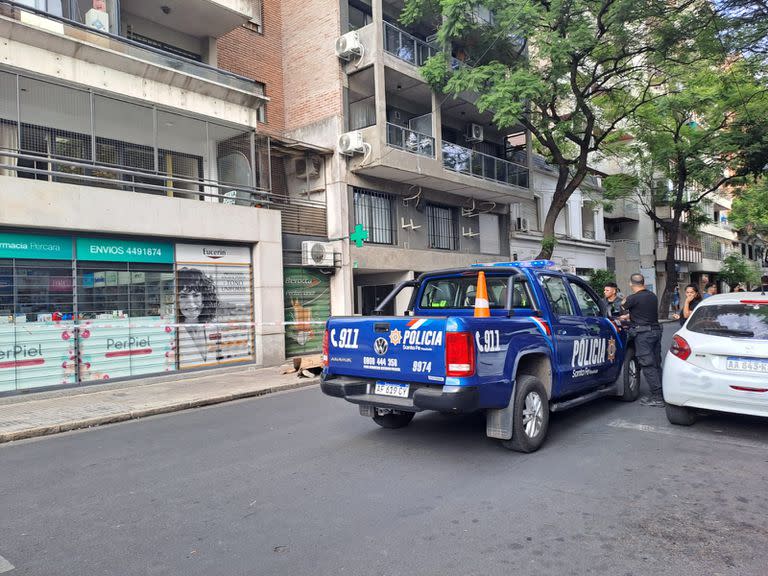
<point x="645" y="331"/>
<point x="611" y="299"/>
<point x="676" y="300"/>
<point x="764" y="283"/>
<point x="709" y="290"/>
<point x="692" y="299"/>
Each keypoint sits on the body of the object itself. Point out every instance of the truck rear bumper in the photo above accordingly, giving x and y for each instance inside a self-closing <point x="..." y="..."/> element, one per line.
<point x="464" y="399"/>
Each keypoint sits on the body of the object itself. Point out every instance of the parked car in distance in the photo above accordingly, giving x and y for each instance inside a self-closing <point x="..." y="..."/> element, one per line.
<point x="719" y="359"/>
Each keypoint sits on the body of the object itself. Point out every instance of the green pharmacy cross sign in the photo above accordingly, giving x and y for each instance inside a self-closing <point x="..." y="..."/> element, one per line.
<point x="359" y="236"/>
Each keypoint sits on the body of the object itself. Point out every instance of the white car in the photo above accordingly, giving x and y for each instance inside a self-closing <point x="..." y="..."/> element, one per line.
<point x="719" y="359"/>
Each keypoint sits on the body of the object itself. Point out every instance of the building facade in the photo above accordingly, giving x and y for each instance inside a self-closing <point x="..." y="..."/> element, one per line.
<point x="138" y="234"/>
<point x="431" y="179"/>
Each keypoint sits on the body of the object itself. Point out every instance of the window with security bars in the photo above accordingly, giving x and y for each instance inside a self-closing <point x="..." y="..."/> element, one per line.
<point x="442" y="227"/>
<point x="374" y="211"/>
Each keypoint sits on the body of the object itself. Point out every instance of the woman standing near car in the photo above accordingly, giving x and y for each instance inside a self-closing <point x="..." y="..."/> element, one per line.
<point x="692" y="299"/>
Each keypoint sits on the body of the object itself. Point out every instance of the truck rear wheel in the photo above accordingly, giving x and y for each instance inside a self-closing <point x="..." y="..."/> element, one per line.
<point x="630" y="373"/>
<point x="530" y="420"/>
<point x="393" y="419"/>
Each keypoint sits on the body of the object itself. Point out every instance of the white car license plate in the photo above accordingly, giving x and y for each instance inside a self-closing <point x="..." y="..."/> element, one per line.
<point x="392" y="389"/>
<point x="754" y="365"/>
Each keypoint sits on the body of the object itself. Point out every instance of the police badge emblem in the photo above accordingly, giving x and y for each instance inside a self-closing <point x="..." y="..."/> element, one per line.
<point x="611" y="350"/>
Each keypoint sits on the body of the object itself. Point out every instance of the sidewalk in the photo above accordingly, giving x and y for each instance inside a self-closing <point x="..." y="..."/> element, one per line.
<point x="31" y="415"/>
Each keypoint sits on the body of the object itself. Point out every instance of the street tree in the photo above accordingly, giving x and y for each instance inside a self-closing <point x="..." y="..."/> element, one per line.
<point x="599" y="278"/>
<point x="708" y="135"/>
<point x="750" y="209"/>
<point x="738" y="270"/>
<point x="744" y="26"/>
<point x="571" y="72"/>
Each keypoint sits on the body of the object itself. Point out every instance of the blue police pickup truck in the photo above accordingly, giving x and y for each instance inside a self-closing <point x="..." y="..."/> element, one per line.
<point x="547" y="345"/>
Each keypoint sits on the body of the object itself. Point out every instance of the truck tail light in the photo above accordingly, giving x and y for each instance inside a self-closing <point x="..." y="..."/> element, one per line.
<point x="459" y="354"/>
<point x="680" y="348"/>
<point x="324" y="357"/>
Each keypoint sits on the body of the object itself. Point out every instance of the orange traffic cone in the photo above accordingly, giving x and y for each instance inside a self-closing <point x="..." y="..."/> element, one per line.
<point x="481" y="298"/>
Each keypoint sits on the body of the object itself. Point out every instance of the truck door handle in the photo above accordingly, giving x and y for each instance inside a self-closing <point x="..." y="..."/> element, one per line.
<point x="381" y="327"/>
<point x="562" y="332"/>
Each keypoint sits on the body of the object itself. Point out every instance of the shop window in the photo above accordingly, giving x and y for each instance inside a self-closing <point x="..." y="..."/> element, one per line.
<point x="126" y="317"/>
<point x="37" y="345"/>
<point x="215" y="306"/>
<point x="43" y="291"/>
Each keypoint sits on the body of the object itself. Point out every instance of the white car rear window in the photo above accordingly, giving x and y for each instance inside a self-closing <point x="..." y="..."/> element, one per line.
<point x="731" y="320"/>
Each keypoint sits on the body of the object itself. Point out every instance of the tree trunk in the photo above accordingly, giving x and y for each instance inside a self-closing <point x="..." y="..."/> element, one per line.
<point x="559" y="199"/>
<point x="670" y="270"/>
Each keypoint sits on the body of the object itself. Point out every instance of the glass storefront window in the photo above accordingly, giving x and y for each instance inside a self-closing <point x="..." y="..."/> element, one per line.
<point x="126" y="319"/>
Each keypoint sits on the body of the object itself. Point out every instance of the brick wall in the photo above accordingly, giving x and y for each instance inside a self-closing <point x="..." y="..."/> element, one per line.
<point x="256" y="55"/>
<point x="294" y="57"/>
<point x="311" y="69"/>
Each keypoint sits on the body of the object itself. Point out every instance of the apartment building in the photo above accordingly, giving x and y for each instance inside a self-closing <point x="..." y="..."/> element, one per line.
<point x="138" y="234"/>
<point x="638" y="244"/>
<point x="431" y="179"/>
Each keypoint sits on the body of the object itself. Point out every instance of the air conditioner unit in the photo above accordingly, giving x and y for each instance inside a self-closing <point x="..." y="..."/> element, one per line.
<point x="349" y="45"/>
<point x="521" y="224"/>
<point x="317" y="254"/>
<point x="350" y="143"/>
<point x="474" y="133"/>
<point x="307" y="167"/>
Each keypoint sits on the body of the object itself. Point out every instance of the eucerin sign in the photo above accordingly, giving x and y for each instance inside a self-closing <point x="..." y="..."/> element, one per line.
<point x="207" y="253"/>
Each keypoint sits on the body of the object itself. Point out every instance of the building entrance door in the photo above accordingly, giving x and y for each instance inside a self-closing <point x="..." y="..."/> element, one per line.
<point x="372" y="296"/>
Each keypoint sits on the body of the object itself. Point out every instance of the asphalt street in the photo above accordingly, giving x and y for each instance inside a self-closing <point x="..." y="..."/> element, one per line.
<point x="297" y="484"/>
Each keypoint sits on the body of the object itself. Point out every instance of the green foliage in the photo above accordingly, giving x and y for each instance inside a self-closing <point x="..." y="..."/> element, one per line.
<point x="599" y="278"/>
<point x="738" y="270"/>
<point x="750" y="209"/>
<point x="570" y="71"/>
<point x="548" y="244"/>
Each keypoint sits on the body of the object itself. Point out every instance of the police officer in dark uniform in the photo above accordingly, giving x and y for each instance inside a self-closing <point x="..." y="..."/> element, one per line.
<point x="643" y="314"/>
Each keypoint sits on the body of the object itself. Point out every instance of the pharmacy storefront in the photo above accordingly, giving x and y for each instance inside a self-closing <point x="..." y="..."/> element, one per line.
<point x="84" y="309"/>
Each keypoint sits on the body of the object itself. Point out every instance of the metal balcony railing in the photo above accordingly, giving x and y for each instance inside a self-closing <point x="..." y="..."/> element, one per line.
<point x="410" y="141"/>
<point x="684" y="252"/>
<point x="479" y="165"/>
<point x="411" y="49"/>
<point x="589" y="234"/>
<point x="406" y="46"/>
<point x="74" y="26"/>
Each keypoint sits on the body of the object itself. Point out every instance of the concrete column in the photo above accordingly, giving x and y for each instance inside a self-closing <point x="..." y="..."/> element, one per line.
<point x="268" y="310"/>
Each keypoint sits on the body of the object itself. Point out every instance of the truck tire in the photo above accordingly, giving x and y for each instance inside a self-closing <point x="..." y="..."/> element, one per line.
<point x="680" y="415"/>
<point x="630" y="373"/>
<point x="393" y="420"/>
<point x="530" y="419"/>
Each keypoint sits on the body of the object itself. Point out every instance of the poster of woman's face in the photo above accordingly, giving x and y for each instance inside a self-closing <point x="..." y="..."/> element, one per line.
<point x="198" y="300"/>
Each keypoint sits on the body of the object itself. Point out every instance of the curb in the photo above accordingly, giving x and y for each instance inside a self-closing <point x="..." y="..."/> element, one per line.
<point x="136" y="414"/>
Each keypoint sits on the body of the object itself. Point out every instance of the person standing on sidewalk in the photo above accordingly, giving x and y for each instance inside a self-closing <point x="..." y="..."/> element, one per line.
<point x="644" y="329"/>
<point x="692" y="299"/>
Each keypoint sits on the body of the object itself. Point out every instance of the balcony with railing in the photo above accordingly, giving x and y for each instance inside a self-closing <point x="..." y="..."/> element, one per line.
<point x="50" y="132"/>
<point x="410" y="140"/>
<point x="109" y="37"/>
<point x="411" y="49"/>
<point x="480" y="165"/>
<point x="684" y="251"/>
